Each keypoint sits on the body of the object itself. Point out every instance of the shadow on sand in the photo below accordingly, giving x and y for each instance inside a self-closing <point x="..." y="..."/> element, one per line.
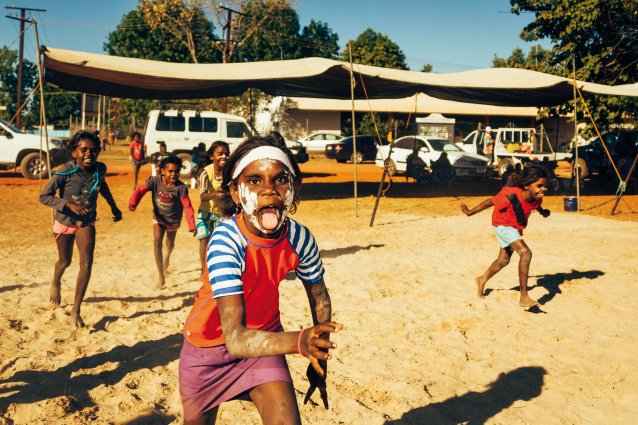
<point x="475" y="408"/>
<point x="75" y="380"/>
<point x="552" y="282"/>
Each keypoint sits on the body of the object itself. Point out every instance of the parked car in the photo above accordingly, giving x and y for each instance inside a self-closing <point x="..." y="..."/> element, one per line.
<point x="343" y="150"/>
<point x="18" y="149"/>
<point x="592" y="158"/>
<point x="298" y="151"/>
<point x="317" y="142"/>
<point x="465" y="164"/>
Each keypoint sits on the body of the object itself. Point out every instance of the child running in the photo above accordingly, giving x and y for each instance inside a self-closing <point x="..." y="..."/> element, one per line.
<point x="78" y="183"/>
<point x="170" y="201"/>
<point x="234" y="343"/>
<point x="512" y="208"/>
<point x="137" y="152"/>
<point x="210" y="183"/>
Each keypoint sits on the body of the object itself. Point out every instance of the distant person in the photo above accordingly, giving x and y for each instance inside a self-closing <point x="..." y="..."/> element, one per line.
<point x="137" y="150"/>
<point x="157" y="158"/>
<point x="506" y="175"/>
<point x="512" y="208"/>
<point x="78" y="183"/>
<point x="514" y="176"/>
<point x="170" y="201"/>
<point x="210" y="184"/>
<point x="234" y="342"/>
<point x="443" y="170"/>
<point x="197" y="154"/>
<point x="488" y="141"/>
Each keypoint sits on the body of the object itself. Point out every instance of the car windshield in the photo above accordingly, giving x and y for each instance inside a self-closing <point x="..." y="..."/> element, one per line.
<point x="441" y="145"/>
<point x="12" y="128"/>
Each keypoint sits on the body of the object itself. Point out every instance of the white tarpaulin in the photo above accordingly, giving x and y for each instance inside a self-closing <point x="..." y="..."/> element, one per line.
<point x="309" y="77"/>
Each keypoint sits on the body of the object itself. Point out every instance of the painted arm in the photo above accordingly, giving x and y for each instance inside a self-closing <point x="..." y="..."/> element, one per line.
<point x="242" y="342"/>
<point x="480" y="207"/>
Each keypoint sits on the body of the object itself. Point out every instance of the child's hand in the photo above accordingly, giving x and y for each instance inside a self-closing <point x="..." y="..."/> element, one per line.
<point x="317" y="381"/>
<point x="117" y="214"/>
<point x="465" y="210"/>
<point x="545" y="213"/>
<point x="77" y="209"/>
<point x="315" y="348"/>
<point x="194" y="232"/>
<point x="131" y="207"/>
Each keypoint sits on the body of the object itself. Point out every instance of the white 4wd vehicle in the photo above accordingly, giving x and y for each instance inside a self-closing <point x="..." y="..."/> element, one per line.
<point x="184" y="130"/>
<point x="429" y="149"/>
<point x="18" y="149"/>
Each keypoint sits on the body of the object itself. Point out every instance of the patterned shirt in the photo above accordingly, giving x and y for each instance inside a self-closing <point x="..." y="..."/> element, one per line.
<point x="510" y="209"/>
<point x="240" y="263"/>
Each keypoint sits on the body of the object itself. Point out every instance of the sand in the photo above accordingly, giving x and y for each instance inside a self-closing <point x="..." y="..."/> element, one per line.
<point x="419" y="346"/>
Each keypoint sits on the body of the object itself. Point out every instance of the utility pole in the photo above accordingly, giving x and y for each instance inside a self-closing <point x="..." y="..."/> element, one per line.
<point x="226" y="53"/>
<point x="22" y="19"/>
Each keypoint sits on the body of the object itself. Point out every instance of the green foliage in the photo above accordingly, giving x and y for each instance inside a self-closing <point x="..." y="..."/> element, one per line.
<point x="9" y="83"/>
<point x="276" y="38"/>
<point x="365" y="124"/>
<point x="427" y="68"/>
<point x="318" y="40"/>
<point x="601" y="36"/>
<point x="373" y="48"/>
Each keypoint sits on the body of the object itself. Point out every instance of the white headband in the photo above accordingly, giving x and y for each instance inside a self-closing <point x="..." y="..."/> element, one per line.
<point x="262" y="152"/>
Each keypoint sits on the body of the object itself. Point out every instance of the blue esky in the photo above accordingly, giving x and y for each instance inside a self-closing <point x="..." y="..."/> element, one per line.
<point x="452" y="35"/>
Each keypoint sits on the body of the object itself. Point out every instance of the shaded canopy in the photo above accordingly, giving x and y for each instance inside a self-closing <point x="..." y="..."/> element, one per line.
<point x="309" y="77"/>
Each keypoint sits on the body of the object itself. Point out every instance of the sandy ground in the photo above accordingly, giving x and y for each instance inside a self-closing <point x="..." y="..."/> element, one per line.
<point x="419" y="346"/>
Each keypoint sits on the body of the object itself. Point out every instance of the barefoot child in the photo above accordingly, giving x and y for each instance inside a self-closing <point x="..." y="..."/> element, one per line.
<point x="234" y="343"/>
<point x="78" y="182"/>
<point x="170" y="201"/>
<point x="137" y="150"/>
<point x="512" y="207"/>
<point x="210" y="182"/>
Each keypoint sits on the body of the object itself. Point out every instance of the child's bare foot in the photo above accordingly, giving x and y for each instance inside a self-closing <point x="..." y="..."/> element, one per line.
<point x="480" y="287"/>
<point x="76" y="320"/>
<point x="161" y="282"/>
<point x="54" y="294"/>
<point x="527" y="302"/>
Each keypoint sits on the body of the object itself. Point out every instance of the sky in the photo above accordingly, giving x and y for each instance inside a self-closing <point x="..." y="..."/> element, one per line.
<point x="451" y="35"/>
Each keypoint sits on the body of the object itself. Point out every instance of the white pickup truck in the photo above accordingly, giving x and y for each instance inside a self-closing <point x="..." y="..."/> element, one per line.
<point x="18" y="149"/>
<point x="511" y="146"/>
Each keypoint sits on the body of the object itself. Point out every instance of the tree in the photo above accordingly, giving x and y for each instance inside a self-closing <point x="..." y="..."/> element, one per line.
<point x="9" y="82"/>
<point x="373" y="48"/>
<point x="317" y="39"/>
<point x="427" y="68"/>
<point x="600" y="35"/>
<point x="274" y="38"/>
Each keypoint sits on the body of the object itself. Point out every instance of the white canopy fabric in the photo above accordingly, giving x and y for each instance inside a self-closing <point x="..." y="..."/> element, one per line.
<point x="309" y="77"/>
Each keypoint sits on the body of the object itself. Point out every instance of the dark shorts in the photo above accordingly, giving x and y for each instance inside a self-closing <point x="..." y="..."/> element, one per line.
<point x="209" y="376"/>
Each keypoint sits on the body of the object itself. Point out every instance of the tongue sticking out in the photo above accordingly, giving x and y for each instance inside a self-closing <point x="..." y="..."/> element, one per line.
<point x="270" y="219"/>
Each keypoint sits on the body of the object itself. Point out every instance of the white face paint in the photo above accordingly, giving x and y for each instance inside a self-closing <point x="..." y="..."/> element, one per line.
<point x="249" y="202"/>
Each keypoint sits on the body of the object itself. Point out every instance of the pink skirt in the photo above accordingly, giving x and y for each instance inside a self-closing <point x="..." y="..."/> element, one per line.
<point x="209" y="376"/>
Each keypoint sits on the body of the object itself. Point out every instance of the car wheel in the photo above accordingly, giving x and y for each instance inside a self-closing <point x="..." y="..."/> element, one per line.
<point x="583" y="170"/>
<point x="186" y="158"/>
<point x="32" y="166"/>
<point x="359" y="157"/>
<point x="391" y="167"/>
<point x="503" y="164"/>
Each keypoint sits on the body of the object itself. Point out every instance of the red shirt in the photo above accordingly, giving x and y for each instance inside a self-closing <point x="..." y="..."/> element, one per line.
<point x="138" y="150"/>
<point x="504" y="213"/>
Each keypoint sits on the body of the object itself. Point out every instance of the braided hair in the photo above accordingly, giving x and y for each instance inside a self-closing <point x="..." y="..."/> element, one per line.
<point x="531" y="173"/>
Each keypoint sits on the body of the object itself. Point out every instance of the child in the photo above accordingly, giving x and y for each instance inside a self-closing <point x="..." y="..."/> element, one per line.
<point x="210" y="182"/>
<point x="78" y="183"/>
<point x="157" y="157"/>
<point x="234" y="343"/>
<point x="137" y="149"/>
<point x="512" y="207"/>
<point x="170" y="200"/>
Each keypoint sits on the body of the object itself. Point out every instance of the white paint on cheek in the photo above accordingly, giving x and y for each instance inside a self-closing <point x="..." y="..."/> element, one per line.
<point x="250" y="204"/>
